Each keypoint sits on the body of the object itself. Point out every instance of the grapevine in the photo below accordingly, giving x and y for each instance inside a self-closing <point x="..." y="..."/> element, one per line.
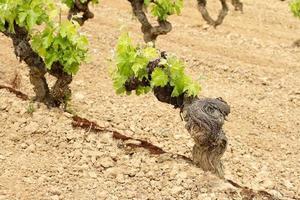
<point x="44" y="45"/>
<point x="145" y="69"/>
<point x="160" y="9"/>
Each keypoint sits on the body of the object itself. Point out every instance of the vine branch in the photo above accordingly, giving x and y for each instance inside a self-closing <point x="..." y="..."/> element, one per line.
<point x="150" y="32"/>
<point x="79" y="7"/>
<point x="238" y="6"/>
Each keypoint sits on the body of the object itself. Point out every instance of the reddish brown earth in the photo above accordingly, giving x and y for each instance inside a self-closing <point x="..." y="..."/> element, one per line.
<point x="249" y="61"/>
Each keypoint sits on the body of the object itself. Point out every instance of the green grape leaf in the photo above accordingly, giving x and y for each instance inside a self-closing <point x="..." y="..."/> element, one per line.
<point x="159" y="78"/>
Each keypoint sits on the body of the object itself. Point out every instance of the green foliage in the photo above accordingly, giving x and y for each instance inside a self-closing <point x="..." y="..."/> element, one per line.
<point x="132" y="61"/>
<point x="61" y="44"/>
<point x="295" y="8"/>
<point x="25" y="13"/>
<point x="159" y="78"/>
<point x="56" y="42"/>
<point x="70" y="3"/>
<point x="163" y="8"/>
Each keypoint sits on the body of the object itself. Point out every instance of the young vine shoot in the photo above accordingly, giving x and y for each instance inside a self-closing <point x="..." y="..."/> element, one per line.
<point x="144" y="68"/>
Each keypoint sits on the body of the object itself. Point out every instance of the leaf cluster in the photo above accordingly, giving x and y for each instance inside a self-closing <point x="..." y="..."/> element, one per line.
<point x="61" y="44"/>
<point x="163" y="8"/>
<point x="132" y="61"/>
<point x="53" y="41"/>
<point x="25" y="13"/>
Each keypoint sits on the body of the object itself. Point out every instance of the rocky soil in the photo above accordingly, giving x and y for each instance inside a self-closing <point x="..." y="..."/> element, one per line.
<point x="249" y="61"/>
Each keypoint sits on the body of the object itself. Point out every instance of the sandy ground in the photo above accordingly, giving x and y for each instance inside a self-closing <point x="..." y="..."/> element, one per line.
<point x="249" y="61"/>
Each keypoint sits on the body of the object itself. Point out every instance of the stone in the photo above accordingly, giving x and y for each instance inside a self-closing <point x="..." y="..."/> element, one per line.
<point x="31" y="148"/>
<point x="24" y="145"/>
<point x="176" y="189"/>
<point x="55" y="197"/>
<point x="92" y="174"/>
<point x="107" y="162"/>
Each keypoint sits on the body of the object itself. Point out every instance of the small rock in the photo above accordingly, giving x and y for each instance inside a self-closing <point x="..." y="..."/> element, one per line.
<point x="176" y="189"/>
<point x="24" y="145"/>
<point x="55" y="197"/>
<point x="107" y="162"/>
<point x="225" y="68"/>
<point x="203" y="190"/>
<point x="288" y="184"/>
<point x="135" y="142"/>
<point x="68" y="115"/>
<point x="93" y="174"/>
<point x="276" y="194"/>
<point x="31" y="127"/>
<point x="31" y="148"/>
<point x="182" y="175"/>
<point x="267" y="183"/>
<point x="120" y="178"/>
<point x="3" y="197"/>
<point x="2" y="157"/>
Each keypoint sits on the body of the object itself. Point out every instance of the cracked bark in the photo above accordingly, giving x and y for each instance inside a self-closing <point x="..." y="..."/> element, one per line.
<point x="150" y="32"/>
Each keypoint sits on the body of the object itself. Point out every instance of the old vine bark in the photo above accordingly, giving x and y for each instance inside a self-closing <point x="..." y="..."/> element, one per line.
<point x="150" y="32"/>
<point x="204" y="119"/>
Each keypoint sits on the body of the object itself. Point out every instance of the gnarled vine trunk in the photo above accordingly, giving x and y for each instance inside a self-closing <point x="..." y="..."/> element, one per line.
<point x="204" y="119"/>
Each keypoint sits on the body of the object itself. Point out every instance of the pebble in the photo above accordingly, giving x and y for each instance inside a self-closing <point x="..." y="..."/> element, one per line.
<point x="31" y="127"/>
<point x="176" y="189"/>
<point x="55" y="197"/>
<point x="288" y="184"/>
<point x="107" y="162"/>
<point x="120" y="178"/>
<point x="24" y="145"/>
<point x="93" y="174"/>
<point x="276" y="194"/>
<point x="2" y="157"/>
<point x="203" y="190"/>
<point x="31" y="148"/>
